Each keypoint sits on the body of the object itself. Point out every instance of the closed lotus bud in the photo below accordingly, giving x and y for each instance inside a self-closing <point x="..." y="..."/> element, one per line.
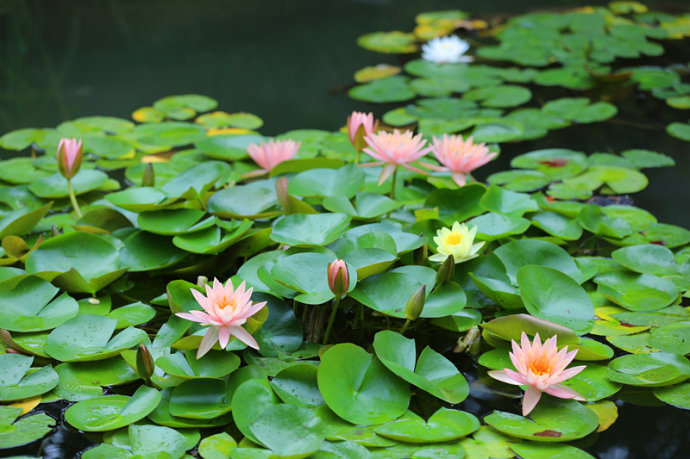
<point x="338" y="277"/>
<point x="445" y="271"/>
<point x="420" y="254"/>
<point x="360" y="125"/>
<point x="69" y="155"/>
<point x="415" y="304"/>
<point x="145" y="365"/>
<point x="149" y="177"/>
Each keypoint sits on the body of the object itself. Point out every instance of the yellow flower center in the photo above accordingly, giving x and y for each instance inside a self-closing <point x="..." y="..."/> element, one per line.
<point x="224" y="303"/>
<point x="540" y="366"/>
<point x="453" y="239"/>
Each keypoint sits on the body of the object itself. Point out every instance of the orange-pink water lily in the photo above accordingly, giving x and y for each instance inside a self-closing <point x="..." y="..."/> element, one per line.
<point x="360" y="125"/>
<point x="69" y="155"/>
<point x="268" y="154"/>
<point x="541" y="367"/>
<point x="226" y="309"/>
<point x="395" y="149"/>
<point x="459" y="156"/>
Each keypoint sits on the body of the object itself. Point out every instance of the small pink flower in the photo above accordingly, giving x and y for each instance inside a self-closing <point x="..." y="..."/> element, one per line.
<point x="542" y="368"/>
<point x="338" y="277"/>
<point x="268" y="155"/>
<point x="69" y="155"/>
<point x="395" y="149"/>
<point x="360" y="125"/>
<point x="226" y="310"/>
<point x="459" y="156"/>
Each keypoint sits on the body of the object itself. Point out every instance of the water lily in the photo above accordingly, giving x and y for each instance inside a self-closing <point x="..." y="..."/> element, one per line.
<point x="360" y="125"/>
<point x="338" y="277"/>
<point x="226" y="309"/>
<point x="459" y="156"/>
<point x="457" y="241"/>
<point x="395" y="149"/>
<point x="70" y="153"/>
<point x="446" y="49"/>
<point x="269" y="154"/>
<point x="540" y="367"/>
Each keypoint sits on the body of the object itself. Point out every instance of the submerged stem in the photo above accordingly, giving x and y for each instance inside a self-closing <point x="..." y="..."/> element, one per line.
<point x="73" y="198"/>
<point x="395" y="176"/>
<point x="404" y="327"/>
<point x="331" y="319"/>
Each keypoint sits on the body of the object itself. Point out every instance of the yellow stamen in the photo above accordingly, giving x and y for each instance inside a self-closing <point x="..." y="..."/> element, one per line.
<point x="453" y="239"/>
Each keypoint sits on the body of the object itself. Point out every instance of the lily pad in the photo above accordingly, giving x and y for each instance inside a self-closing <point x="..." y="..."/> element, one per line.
<point x="444" y="425"/>
<point x="649" y="370"/>
<point x="26" y="430"/>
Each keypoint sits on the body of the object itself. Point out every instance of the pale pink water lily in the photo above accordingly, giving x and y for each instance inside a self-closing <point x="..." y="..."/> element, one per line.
<point x="69" y="155"/>
<point x="540" y="367"/>
<point x="226" y="309"/>
<point x="269" y="154"/>
<point x="459" y="156"/>
<point x="395" y="149"/>
<point x="338" y="277"/>
<point x="360" y="125"/>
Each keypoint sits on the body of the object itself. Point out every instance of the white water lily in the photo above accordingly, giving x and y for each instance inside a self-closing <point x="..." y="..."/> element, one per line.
<point x="446" y="49"/>
<point x="457" y="241"/>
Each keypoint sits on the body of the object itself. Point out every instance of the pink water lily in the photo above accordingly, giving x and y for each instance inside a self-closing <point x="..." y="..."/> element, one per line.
<point x="269" y="154"/>
<point x="69" y="155"/>
<point x="459" y="156"/>
<point x="540" y="367"/>
<point x="226" y="309"/>
<point x="395" y="149"/>
<point x="360" y="125"/>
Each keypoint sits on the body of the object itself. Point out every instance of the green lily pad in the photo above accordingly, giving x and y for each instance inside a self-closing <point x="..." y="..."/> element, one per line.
<point x="673" y="338"/>
<point x="214" y="364"/>
<point x="308" y="230"/>
<point x="84" y="380"/>
<point x="19" y="380"/>
<point x="553" y="420"/>
<point x="678" y="396"/>
<point x="112" y="411"/>
<point x="389" y="42"/>
<point x="297" y="385"/>
<point x="82" y="262"/>
<point x="554" y="296"/>
<point x="169" y="134"/>
<point x="250" y="400"/>
<point x="558" y="225"/>
<point x="444" y="425"/>
<point x="579" y="110"/>
<point x="217" y="446"/>
<point x="432" y="372"/>
<point x="516" y="254"/>
<point x="55" y="186"/>
<point x="359" y="388"/>
<point x="647" y="259"/>
<point x="346" y="181"/>
<point x="592" y="382"/>
<point x="636" y="292"/>
<point x="542" y="451"/>
<point x="19" y="222"/>
<point x="90" y="337"/>
<point x="30" y="306"/>
<point x="200" y="398"/>
<point x="26" y="430"/>
<point x="499" y="96"/>
<point x="245" y="201"/>
<point x="649" y="370"/>
<point x="138" y="199"/>
<point x="388" y="292"/>
<point x="289" y="430"/>
<point x="142" y="441"/>
<point x="385" y="90"/>
<point x="492" y="226"/>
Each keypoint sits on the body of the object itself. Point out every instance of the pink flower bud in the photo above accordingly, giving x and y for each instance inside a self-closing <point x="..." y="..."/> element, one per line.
<point x="359" y="125"/>
<point x="338" y="277"/>
<point x="69" y="155"/>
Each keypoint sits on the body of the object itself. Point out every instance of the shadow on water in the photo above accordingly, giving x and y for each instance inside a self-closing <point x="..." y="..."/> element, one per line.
<point x="291" y="62"/>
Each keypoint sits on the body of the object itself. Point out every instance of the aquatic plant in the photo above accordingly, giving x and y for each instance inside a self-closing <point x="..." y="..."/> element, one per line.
<point x="99" y="311"/>
<point x="446" y="49"/>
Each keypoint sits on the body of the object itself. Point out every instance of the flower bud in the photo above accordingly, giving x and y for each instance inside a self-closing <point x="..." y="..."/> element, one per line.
<point x="445" y="271"/>
<point x="69" y="155"/>
<point x="338" y="277"/>
<point x="420" y="254"/>
<point x="149" y="176"/>
<point x="415" y="304"/>
<point x="145" y="365"/>
<point x="359" y="125"/>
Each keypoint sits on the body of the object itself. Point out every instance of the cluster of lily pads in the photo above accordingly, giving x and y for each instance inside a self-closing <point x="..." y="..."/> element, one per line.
<point x="368" y="329"/>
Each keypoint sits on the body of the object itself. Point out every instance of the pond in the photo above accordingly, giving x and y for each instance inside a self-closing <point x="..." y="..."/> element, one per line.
<point x="292" y="64"/>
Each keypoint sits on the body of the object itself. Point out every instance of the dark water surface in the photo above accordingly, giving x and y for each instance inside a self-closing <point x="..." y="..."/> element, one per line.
<point x="291" y="62"/>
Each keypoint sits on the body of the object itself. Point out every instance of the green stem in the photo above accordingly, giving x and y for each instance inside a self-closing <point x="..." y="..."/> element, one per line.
<point x="331" y="320"/>
<point x="395" y="176"/>
<point x="73" y="198"/>
<point x="359" y="153"/>
<point x="404" y="327"/>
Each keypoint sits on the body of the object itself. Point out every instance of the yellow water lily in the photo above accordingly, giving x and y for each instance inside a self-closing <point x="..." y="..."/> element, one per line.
<point x="457" y="241"/>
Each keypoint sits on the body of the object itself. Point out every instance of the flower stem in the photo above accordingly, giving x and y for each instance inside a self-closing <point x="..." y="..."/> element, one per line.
<point x="73" y="198"/>
<point x="395" y="177"/>
<point x="404" y="327"/>
<point x="331" y="319"/>
<point x="359" y="153"/>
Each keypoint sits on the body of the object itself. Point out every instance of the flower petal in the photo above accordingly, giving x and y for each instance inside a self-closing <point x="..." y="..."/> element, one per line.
<point x="530" y="400"/>
<point x="503" y="376"/>
<point x="563" y="392"/>
<point x="244" y="336"/>
<point x="207" y="341"/>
